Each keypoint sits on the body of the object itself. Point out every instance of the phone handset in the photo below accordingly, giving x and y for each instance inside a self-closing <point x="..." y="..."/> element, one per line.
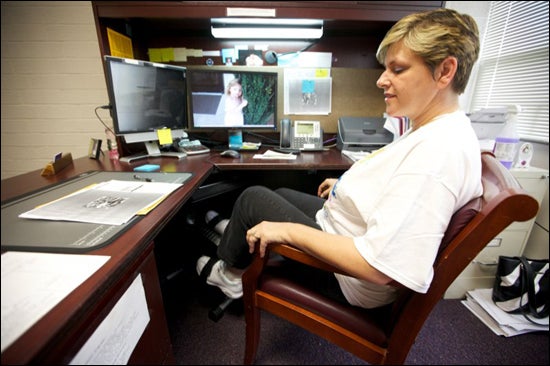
<point x="285" y="133"/>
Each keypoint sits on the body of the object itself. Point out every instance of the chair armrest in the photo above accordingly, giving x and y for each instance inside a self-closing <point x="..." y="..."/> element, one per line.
<point x="253" y="273"/>
<point x="291" y="252"/>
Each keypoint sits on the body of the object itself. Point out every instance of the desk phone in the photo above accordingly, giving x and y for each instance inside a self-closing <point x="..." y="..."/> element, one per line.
<point x="304" y="135"/>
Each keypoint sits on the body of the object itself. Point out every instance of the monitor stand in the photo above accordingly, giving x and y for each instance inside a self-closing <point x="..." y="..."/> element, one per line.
<point x="153" y="151"/>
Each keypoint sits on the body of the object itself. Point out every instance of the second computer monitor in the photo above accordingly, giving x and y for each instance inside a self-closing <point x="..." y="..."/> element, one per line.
<point x="232" y="98"/>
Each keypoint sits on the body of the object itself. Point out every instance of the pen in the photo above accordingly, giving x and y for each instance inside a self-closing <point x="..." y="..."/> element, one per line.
<point x="141" y="178"/>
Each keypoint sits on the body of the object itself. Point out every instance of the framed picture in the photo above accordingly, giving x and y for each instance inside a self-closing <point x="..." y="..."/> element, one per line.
<point x="95" y="148"/>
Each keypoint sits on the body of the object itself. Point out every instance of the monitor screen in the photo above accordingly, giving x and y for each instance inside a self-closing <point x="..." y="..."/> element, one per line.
<point x="145" y="97"/>
<point x="232" y="98"/>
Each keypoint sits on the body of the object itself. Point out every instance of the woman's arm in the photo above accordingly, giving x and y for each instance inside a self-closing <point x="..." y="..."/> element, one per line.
<point x="337" y="250"/>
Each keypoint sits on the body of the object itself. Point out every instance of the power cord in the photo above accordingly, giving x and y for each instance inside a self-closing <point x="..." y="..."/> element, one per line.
<point x="99" y="118"/>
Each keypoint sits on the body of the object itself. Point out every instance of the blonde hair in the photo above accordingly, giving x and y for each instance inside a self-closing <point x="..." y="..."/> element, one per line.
<point x="435" y="35"/>
<point x="232" y="83"/>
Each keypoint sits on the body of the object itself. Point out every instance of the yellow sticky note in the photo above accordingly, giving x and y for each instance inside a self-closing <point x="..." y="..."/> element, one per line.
<point x="321" y="73"/>
<point x="165" y="136"/>
<point x="155" y="54"/>
<point x="167" y="54"/>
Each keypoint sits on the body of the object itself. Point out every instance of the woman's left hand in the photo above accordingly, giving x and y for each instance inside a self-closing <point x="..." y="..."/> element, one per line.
<point x="266" y="232"/>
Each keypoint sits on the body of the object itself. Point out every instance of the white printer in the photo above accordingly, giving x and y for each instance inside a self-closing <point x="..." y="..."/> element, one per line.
<point x="362" y="133"/>
<point x="488" y="122"/>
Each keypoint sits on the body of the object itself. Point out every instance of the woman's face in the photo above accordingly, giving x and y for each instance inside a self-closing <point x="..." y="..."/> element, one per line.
<point x="409" y="86"/>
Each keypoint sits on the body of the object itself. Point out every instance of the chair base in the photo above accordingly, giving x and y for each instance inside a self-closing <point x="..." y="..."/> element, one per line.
<point x="216" y="313"/>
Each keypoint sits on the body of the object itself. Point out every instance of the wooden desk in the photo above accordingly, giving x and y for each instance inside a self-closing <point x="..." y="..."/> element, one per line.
<point x="331" y="159"/>
<point x="58" y="336"/>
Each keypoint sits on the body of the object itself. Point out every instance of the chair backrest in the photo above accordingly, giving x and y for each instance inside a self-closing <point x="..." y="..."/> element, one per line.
<point x="471" y="228"/>
<point x="388" y="341"/>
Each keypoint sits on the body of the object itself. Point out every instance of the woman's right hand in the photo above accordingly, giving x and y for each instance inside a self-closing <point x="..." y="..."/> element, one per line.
<point x="325" y="187"/>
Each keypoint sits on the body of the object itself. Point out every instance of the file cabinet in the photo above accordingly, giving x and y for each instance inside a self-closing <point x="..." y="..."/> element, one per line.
<point x="480" y="273"/>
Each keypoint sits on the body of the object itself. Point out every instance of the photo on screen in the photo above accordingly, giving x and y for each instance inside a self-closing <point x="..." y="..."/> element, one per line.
<point x="232" y="99"/>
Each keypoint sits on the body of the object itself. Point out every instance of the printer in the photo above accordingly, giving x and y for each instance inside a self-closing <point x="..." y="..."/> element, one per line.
<point x="362" y="133"/>
<point x="488" y="122"/>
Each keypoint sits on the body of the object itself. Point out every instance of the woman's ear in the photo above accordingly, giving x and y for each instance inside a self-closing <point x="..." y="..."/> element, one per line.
<point x="447" y="70"/>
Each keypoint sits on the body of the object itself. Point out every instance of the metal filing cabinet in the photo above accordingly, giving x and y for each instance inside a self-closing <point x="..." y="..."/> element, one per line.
<point x="480" y="273"/>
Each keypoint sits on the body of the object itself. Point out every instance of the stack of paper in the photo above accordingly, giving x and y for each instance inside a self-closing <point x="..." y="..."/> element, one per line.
<point x="355" y="155"/>
<point x="274" y="155"/>
<point x="480" y="303"/>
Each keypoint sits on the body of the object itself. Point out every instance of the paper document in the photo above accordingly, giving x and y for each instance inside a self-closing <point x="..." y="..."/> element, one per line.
<point x="355" y="155"/>
<point x="112" y="203"/>
<point x="114" y="340"/>
<point x="480" y="303"/>
<point x="274" y="155"/>
<point x="34" y="283"/>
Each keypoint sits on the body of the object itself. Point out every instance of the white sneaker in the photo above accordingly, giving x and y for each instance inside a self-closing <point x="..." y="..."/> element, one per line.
<point x="220" y="224"/>
<point x="227" y="279"/>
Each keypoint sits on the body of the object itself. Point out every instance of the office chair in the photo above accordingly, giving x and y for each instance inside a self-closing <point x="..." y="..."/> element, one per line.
<point x="383" y="335"/>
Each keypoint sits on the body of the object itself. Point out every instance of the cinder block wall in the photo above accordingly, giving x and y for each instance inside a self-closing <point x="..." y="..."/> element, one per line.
<point x="52" y="80"/>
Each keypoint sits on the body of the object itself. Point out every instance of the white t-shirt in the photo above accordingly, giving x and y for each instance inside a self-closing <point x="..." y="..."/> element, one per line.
<point x="397" y="202"/>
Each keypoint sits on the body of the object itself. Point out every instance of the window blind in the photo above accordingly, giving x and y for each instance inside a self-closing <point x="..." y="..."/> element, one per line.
<point x="513" y="65"/>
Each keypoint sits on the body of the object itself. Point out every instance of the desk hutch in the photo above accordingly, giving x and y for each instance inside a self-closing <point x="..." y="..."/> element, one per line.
<point x="352" y="33"/>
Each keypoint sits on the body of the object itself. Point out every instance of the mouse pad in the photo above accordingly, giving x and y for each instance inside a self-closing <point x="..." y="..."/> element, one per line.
<point x="20" y="234"/>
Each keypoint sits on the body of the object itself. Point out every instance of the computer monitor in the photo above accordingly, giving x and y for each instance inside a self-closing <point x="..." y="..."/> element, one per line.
<point x="146" y="97"/>
<point x="214" y="104"/>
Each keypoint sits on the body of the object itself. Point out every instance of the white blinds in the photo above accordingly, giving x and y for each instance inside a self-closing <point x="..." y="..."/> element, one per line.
<point x="513" y="64"/>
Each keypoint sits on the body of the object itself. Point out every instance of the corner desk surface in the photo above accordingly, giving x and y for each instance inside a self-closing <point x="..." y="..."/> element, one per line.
<point x="58" y="336"/>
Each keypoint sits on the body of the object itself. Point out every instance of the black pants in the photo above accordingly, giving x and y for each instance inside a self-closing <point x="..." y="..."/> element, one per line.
<point x="257" y="204"/>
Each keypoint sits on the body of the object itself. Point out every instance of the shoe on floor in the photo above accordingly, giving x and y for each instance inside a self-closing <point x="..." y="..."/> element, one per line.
<point x="228" y="280"/>
<point x="215" y="221"/>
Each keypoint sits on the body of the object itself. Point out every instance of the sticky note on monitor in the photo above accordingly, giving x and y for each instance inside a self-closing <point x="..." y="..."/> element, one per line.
<point x="165" y="136"/>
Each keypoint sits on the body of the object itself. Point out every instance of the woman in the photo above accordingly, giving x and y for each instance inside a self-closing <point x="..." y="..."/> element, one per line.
<point x="383" y="220"/>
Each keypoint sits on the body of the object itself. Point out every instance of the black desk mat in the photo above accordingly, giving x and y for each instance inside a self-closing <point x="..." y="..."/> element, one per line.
<point x="20" y="234"/>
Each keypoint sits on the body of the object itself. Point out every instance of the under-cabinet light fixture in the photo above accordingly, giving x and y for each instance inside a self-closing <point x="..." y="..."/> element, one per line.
<point x="266" y="28"/>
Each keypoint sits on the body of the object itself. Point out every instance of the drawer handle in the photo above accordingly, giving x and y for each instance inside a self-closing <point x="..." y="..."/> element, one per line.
<point x="481" y="263"/>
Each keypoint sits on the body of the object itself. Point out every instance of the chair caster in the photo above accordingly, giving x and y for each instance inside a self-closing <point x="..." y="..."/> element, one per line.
<point x="216" y="313"/>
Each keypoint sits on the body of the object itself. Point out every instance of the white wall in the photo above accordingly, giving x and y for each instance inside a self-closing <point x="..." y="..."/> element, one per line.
<point x="52" y="79"/>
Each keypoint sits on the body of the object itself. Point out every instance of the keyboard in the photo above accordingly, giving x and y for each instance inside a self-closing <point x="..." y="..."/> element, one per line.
<point x="194" y="149"/>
